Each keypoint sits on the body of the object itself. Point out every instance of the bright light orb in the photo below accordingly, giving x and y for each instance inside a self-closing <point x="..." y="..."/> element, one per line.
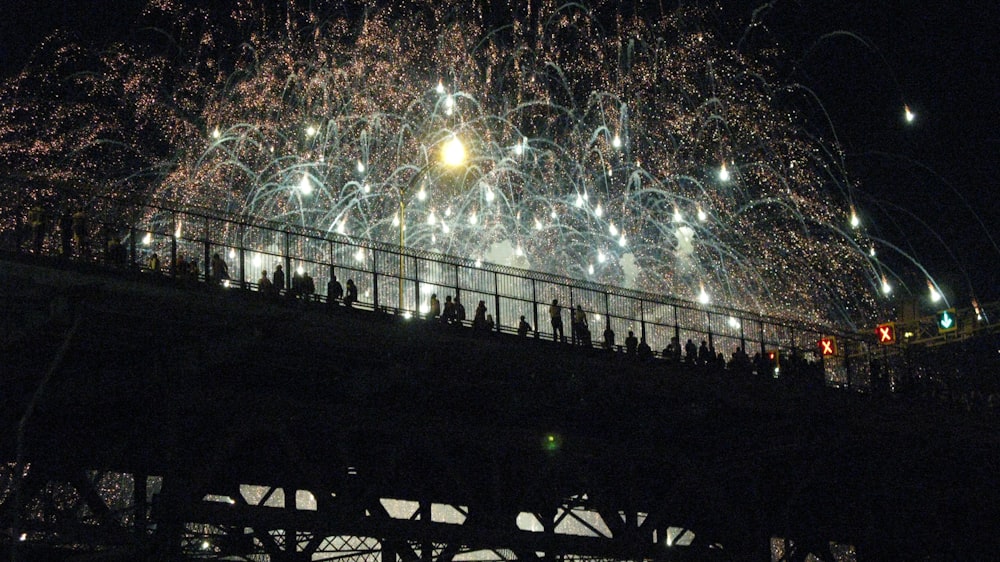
<point x="445" y="228"/>
<point x="490" y="195"/>
<point x="538" y="224"/>
<point x="360" y="254"/>
<point x="305" y="186"/>
<point x="590" y="269"/>
<point x="453" y="152"/>
<point x="703" y="296"/>
<point x="612" y="229"/>
<point x="395" y="219"/>
<point x="599" y="211"/>
<point x="601" y="258"/>
<point x="579" y="200"/>
<point x="734" y="323"/>
<point x="473" y="219"/>
<point x="366" y="188"/>
<point x="886" y="287"/>
<point x="908" y="115"/>
<point x="934" y="293"/>
<point x="724" y="172"/>
<point x="422" y="194"/>
<point x="310" y="131"/>
<point x="361" y="167"/>
<point x="342" y="227"/>
<point x="855" y="220"/>
<point x="216" y="133"/>
<point x="677" y="215"/>
<point x="616" y="142"/>
<point x="147" y="239"/>
<point x="431" y="219"/>
<point x="519" y="252"/>
<point x="621" y="241"/>
<point x="256" y="260"/>
<point x="439" y="88"/>
<point x="871" y="251"/>
<point x="702" y="215"/>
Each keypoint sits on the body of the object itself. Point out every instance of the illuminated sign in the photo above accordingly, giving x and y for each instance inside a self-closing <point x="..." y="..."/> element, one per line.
<point x="828" y="346"/>
<point x="886" y="333"/>
<point x="946" y="321"/>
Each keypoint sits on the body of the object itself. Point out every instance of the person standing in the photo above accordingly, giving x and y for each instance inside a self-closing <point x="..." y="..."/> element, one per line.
<point x="555" y="315"/>
<point x="278" y="280"/>
<point x="435" y="307"/>
<point x="352" y="294"/>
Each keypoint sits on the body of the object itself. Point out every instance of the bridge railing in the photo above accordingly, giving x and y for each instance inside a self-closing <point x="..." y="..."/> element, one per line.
<point x="401" y="280"/>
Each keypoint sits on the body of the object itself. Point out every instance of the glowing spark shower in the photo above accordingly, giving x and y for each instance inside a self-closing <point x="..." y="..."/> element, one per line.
<point x="584" y="141"/>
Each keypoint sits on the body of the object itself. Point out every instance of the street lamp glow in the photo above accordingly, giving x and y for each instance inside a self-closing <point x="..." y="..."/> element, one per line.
<point x="453" y="152"/>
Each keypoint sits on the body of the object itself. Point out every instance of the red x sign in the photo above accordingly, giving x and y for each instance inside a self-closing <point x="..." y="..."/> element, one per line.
<point x="886" y="333"/>
<point x="827" y="346"/>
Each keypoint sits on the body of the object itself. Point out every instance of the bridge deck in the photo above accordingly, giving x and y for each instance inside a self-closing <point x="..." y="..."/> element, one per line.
<point x="217" y="388"/>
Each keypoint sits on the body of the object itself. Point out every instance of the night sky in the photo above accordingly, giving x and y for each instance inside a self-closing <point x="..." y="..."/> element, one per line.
<point x="929" y="186"/>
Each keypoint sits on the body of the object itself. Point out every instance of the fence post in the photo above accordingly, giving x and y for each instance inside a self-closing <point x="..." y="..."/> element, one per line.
<point x="642" y="318"/>
<point x="243" y="258"/>
<point x="173" y="247"/>
<point x="208" y="253"/>
<point x="496" y="298"/>
<point x="534" y="306"/>
<point x="288" y="263"/>
<point x="711" y="344"/>
<point x="375" y="301"/>
<point x="131" y="246"/>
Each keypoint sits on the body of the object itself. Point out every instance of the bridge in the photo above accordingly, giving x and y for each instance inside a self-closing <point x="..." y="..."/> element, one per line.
<point x="149" y="418"/>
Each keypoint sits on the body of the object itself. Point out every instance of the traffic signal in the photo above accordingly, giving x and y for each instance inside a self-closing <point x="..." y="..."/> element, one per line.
<point x="886" y="333"/>
<point x="946" y="321"/>
<point x="828" y="346"/>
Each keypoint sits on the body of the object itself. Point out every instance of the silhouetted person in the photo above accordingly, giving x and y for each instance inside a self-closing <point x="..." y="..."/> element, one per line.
<point x="578" y="327"/>
<point x="334" y="291"/>
<point x="219" y="269"/>
<point x="479" y="318"/>
<point x="523" y="328"/>
<point x="459" y="311"/>
<point x="631" y="343"/>
<point x="278" y="280"/>
<point x="435" y="307"/>
<point x="704" y="355"/>
<point x="490" y="323"/>
<point x="449" y="311"/>
<point x="690" y="352"/>
<point x="80" y="232"/>
<point x="264" y="285"/>
<point x="154" y="263"/>
<point x="308" y="287"/>
<point x="555" y="315"/>
<point x="36" y="219"/>
<point x="609" y="338"/>
<point x="352" y="294"/>
<point x="644" y="351"/>
<point x="66" y="234"/>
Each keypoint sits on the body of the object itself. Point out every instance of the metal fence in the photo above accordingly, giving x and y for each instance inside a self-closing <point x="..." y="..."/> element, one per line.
<point x="401" y="281"/>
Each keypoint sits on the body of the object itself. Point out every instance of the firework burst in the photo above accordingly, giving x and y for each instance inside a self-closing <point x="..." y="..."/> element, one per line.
<point x="632" y="149"/>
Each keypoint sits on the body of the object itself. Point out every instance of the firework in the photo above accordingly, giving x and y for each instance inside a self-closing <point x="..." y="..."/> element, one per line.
<point x="632" y="149"/>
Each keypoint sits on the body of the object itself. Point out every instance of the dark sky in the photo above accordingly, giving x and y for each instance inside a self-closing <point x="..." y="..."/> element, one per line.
<point x="929" y="186"/>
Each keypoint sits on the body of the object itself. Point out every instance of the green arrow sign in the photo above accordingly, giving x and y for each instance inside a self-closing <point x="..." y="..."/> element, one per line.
<point x="946" y="321"/>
